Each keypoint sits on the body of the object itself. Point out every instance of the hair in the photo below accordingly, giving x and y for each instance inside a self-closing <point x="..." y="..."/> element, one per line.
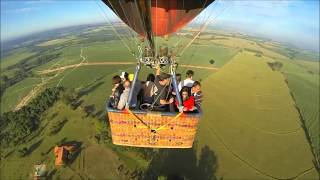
<point x="178" y="77"/>
<point x="196" y="83"/>
<point x="151" y="77"/>
<point x="116" y="79"/>
<point x="185" y="89"/>
<point x="189" y="73"/>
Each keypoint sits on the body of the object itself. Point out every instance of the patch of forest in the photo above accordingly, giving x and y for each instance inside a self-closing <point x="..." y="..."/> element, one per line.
<point x="17" y="125"/>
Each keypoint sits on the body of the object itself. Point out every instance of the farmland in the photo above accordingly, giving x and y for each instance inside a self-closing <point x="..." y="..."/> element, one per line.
<point x="251" y="127"/>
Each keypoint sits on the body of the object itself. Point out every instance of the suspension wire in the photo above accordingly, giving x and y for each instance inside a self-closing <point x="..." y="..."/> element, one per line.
<point x="114" y="29"/>
<point x="202" y="29"/>
<point x="156" y="28"/>
<point x="198" y="17"/>
<point x="131" y="32"/>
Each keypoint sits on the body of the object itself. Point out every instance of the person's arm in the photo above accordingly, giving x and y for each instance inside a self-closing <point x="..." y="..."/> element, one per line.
<point x="165" y="102"/>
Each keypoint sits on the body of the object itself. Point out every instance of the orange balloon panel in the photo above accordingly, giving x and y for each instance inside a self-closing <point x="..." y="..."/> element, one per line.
<point x="161" y="17"/>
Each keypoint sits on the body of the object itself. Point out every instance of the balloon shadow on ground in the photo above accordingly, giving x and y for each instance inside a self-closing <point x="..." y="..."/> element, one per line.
<point x="176" y="164"/>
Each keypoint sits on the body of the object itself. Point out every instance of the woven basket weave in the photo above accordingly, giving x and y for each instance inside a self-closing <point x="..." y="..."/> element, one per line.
<point x="174" y="133"/>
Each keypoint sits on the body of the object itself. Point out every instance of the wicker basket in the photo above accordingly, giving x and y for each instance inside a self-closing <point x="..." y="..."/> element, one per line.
<point x="152" y="129"/>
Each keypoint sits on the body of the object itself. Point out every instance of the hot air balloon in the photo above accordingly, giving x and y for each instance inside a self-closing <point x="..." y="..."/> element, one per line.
<point x="149" y="19"/>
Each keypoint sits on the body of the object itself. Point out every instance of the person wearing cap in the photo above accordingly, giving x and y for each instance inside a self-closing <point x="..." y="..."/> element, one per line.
<point x="188" y="81"/>
<point x="162" y="82"/>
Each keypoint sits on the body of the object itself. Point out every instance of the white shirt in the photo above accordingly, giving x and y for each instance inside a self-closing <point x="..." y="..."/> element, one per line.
<point x="123" y="98"/>
<point x="186" y="82"/>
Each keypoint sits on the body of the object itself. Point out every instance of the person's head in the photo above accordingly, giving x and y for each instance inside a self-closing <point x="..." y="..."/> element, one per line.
<point x="185" y="93"/>
<point x="164" y="79"/>
<point x="116" y="79"/>
<point x="178" y="77"/>
<point x="151" y="77"/>
<point x="189" y="74"/>
<point x="126" y="84"/>
<point x="124" y="76"/>
<point x="196" y="87"/>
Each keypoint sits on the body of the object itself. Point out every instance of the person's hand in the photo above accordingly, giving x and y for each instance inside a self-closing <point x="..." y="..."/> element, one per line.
<point x="193" y="108"/>
<point x="185" y="109"/>
<point x="174" y="93"/>
<point x="171" y="100"/>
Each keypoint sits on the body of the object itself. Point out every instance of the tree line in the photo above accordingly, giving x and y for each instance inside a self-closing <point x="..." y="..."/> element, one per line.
<point x="16" y="125"/>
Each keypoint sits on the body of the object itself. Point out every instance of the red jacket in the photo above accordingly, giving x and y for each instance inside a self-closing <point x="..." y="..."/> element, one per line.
<point x="189" y="103"/>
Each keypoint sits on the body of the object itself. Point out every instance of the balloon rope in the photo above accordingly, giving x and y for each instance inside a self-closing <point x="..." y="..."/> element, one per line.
<point x="113" y="28"/>
<point x="131" y="32"/>
<point x="197" y="18"/>
<point x="204" y="26"/>
<point x="131" y="35"/>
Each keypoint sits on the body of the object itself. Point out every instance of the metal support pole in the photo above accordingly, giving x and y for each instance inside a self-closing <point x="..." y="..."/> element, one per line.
<point x="135" y="78"/>
<point x="175" y="86"/>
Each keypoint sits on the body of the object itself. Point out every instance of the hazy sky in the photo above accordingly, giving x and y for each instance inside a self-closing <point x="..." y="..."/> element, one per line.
<point x="292" y="21"/>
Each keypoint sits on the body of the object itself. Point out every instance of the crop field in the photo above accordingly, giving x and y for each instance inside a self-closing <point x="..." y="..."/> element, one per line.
<point x="303" y="81"/>
<point x="251" y="123"/>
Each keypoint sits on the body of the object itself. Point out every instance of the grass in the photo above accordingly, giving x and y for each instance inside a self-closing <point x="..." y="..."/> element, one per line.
<point x="251" y="123"/>
<point x="15" y="93"/>
<point x="54" y="42"/>
<point x="15" y="57"/>
<point x="92" y="162"/>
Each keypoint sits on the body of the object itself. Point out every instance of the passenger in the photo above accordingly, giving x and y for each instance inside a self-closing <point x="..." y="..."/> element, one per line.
<point x="116" y="91"/>
<point x="187" y="100"/>
<point x="196" y="92"/>
<point x="188" y="81"/>
<point x="124" y="96"/>
<point x="149" y="89"/>
<point x="162" y="99"/>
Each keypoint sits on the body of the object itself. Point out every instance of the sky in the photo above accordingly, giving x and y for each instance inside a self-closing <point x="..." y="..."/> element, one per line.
<point x="293" y="21"/>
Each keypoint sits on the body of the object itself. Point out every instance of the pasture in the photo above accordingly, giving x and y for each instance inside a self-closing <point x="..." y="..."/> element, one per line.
<point x="251" y="123"/>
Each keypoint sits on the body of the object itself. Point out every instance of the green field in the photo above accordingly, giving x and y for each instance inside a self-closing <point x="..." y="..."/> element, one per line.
<point x="92" y="161"/>
<point x="250" y="125"/>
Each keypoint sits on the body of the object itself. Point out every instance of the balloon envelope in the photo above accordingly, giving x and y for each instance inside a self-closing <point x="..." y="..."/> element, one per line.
<point x="157" y="17"/>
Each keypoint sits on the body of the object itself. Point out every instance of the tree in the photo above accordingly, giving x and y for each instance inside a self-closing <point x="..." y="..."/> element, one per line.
<point x="211" y="61"/>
